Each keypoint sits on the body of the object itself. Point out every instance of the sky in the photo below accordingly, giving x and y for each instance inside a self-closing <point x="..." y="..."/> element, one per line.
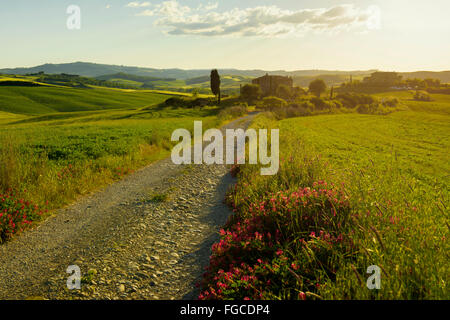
<point x="389" y="35"/>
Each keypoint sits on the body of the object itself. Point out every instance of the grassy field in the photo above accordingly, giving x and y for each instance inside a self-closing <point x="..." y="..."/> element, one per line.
<point x="59" y="143"/>
<point x="44" y="100"/>
<point x="439" y="104"/>
<point x="229" y="83"/>
<point x="377" y="194"/>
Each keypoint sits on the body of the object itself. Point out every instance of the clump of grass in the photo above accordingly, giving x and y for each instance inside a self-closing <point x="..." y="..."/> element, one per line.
<point x="159" y="197"/>
<point x="89" y="277"/>
<point x="8" y="163"/>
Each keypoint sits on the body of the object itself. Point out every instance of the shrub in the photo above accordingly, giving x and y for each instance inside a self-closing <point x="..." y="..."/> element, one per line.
<point x="320" y="104"/>
<point x="282" y="246"/>
<point x="441" y="90"/>
<point x="159" y="197"/>
<point x="176" y="102"/>
<point x="391" y="102"/>
<point x="203" y="102"/>
<point x="298" y="92"/>
<point x="317" y="87"/>
<point x="422" y="96"/>
<point x="273" y="103"/>
<point x="284" y="92"/>
<point x="352" y="100"/>
<point x="251" y="92"/>
<point x="295" y="110"/>
<point x="233" y="112"/>
<point x="179" y="102"/>
<point x="16" y="215"/>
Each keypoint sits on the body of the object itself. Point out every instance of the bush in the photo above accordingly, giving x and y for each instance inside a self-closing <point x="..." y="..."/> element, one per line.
<point x="352" y="100"/>
<point x="250" y="92"/>
<point x="284" y="92"/>
<point x="294" y="110"/>
<point x="179" y="102"/>
<point x="317" y="87"/>
<point x="321" y="105"/>
<point x="366" y="108"/>
<point x="299" y="110"/>
<point x="280" y="247"/>
<point x="233" y="112"/>
<point x="422" y="96"/>
<point x="298" y="92"/>
<point x="347" y="102"/>
<point x="15" y="215"/>
<point x="441" y="90"/>
<point x="176" y="102"/>
<point x="273" y="103"/>
<point x="391" y="102"/>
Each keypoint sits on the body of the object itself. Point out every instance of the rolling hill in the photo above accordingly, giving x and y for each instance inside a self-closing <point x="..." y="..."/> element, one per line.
<point x="444" y="76"/>
<point x="48" y="99"/>
<point x="96" y="70"/>
<point x="186" y="80"/>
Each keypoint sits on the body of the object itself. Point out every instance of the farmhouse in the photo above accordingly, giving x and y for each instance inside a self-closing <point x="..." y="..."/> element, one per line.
<point x="269" y="84"/>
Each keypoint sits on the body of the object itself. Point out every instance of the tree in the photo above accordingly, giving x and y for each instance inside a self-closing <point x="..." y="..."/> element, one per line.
<point x="432" y="83"/>
<point x="273" y="103"/>
<point x="215" y="83"/>
<point x="284" y="92"/>
<point x="195" y="92"/>
<point x="297" y="92"/>
<point x="317" y="87"/>
<point x="251" y="92"/>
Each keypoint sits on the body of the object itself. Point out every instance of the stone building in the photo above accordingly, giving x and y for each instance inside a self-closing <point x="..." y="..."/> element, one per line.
<point x="269" y="84"/>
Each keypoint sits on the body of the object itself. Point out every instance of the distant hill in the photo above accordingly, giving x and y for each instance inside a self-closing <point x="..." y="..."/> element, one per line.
<point x="444" y="76"/>
<point x="87" y="69"/>
<point x="330" y="79"/>
<point x="197" y="76"/>
<point x="132" y="77"/>
<point x="198" y="80"/>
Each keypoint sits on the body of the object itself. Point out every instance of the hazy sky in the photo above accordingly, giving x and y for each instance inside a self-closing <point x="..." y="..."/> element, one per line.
<point x="401" y="35"/>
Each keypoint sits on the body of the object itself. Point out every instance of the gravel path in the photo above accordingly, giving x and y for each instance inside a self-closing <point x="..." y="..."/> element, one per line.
<point x="126" y="246"/>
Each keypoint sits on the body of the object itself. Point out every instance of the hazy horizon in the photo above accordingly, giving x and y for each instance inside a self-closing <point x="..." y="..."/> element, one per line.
<point x="225" y="68"/>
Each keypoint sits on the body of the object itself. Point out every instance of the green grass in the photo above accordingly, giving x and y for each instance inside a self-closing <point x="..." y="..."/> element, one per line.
<point x="229" y="83"/>
<point x="439" y="104"/>
<point x="100" y="148"/>
<point x="59" y="143"/>
<point x="398" y="167"/>
<point x="159" y="197"/>
<point x="44" y="100"/>
<point x="395" y="170"/>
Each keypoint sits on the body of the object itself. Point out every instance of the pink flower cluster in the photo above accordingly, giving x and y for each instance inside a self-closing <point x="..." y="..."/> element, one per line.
<point x="260" y="253"/>
<point x="16" y="215"/>
<point x="66" y="173"/>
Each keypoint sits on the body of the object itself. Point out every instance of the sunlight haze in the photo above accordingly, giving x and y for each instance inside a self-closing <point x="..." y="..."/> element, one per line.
<point x="388" y="35"/>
